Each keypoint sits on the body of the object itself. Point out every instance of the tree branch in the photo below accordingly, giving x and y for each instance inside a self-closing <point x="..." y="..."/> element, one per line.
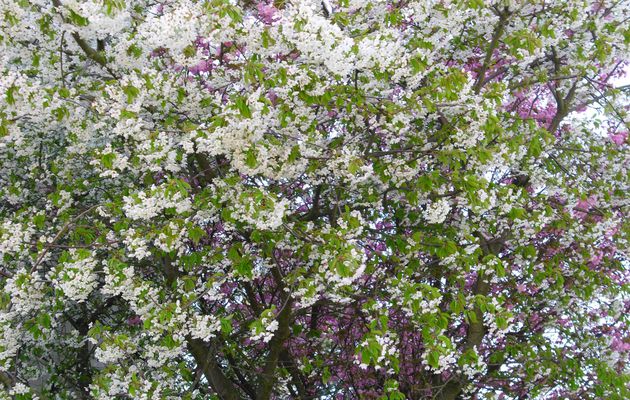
<point x="206" y="358"/>
<point x="276" y="345"/>
<point x="92" y="54"/>
<point x="476" y="329"/>
<point x="496" y="35"/>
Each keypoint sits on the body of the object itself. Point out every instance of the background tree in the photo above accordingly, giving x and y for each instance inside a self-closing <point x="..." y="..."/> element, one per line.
<point x="347" y="199"/>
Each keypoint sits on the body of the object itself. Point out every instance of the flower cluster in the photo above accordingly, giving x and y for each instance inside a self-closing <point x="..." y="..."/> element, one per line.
<point x="358" y="199"/>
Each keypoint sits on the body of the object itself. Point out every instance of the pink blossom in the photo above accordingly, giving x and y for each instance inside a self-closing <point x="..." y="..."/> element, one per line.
<point x="202" y="66"/>
<point x="620" y="345"/>
<point x="267" y="12"/>
<point x="619" y="138"/>
<point x="584" y="205"/>
<point x="273" y="97"/>
<point x="564" y="321"/>
<point x="535" y="319"/>
<point x="596" y="259"/>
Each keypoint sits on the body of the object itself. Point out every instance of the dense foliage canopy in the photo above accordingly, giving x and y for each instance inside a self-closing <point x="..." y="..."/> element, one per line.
<point x="299" y="199"/>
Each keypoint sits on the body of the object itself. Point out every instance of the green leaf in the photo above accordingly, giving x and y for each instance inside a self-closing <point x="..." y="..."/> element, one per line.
<point x="535" y="147"/>
<point x="326" y="375"/>
<point x="132" y="92"/>
<point x="434" y="359"/>
<point x="189" y="51"/>
<point x="77" y="19"/>
<point x="189" y="283"/>
<point x="242" y="107"/>
<point x="517" y="213"/>
<point x="294" y="154"/>
<point x="244" y="268"/>
<point x="44" y="320"/>
<point x="250" y="157"/>
<point x="108" y="160"/>
<point x="195" y="234"/>
<point x="267" y="40"/>
<point x="226" y="325"/>
<point x="134" y="51"/>
<point x="10" y="94"/>
<point x="39" y="220"/>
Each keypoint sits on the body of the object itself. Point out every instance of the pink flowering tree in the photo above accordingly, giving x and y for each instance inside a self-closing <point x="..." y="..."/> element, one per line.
<point x="305" y="199"/>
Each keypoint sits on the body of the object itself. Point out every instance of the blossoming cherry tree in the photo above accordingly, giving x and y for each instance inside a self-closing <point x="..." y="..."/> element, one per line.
<point x="299" y="199"/>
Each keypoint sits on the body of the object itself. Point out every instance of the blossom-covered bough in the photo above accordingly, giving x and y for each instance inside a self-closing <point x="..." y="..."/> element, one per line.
<point x="314" y="200"/>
